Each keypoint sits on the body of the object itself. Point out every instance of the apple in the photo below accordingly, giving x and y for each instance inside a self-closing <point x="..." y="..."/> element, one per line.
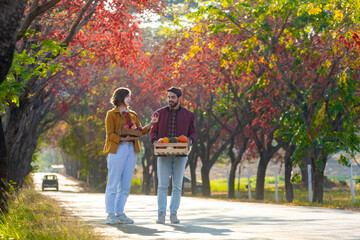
<point x="139" y="128"/>
<point x="133" y="126"/>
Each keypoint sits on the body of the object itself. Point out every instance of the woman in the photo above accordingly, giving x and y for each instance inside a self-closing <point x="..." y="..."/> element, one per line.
<point x="122" y="155"/>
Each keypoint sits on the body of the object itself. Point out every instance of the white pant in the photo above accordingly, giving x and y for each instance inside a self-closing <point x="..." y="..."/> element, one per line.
<point x="120" y="170"/>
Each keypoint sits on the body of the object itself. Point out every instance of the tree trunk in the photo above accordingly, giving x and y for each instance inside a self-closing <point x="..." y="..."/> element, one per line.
<point x="231" y="190"/>
<point x="260" y="177"/>
<point x="304" y="171"/>
<point x="194" y="189"/>
<point x="3" y="172"/>
<point x="21" y="143"/>
<point x="22" y="131"/>
<point x="319" y="180"/>
<point x="192" y="161"/>
<point x="235" y="160"/>
<point x="147" y="162"/>
<point x="288" y="168"/>
<point x="11" y="13"/>
<point x="205" y="181"/>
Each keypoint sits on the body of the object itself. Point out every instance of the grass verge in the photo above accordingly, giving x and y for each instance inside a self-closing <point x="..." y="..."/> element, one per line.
<point x="35" y="216"/>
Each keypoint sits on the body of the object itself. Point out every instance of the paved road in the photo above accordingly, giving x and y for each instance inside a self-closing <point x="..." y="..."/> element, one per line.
<point x="208" y="219"/>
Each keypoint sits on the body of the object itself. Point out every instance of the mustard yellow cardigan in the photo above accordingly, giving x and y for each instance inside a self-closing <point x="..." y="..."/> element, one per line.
<point x="115" y="121"/>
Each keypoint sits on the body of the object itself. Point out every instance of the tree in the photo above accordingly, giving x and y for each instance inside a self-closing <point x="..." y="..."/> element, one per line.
<point x="195" y="67"/>
<point x="11" y="13"/>
<point x="294" y="44"/>
<point x="91" y="32"/>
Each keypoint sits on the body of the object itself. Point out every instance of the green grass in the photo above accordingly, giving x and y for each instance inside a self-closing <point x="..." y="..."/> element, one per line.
<point x="35" y="216"/>
<point x="220" y="185"/>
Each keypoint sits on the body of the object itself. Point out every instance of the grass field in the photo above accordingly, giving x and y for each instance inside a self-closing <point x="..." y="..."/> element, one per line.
<point x="35" y="216"/>
<point x="338" y="197"/>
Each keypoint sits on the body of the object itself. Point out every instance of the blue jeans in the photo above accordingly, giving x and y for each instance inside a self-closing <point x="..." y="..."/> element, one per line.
<point x="120" y="170"/>
<point x="165" y="167"/>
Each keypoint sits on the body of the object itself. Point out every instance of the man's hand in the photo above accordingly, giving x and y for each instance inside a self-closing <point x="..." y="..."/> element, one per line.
<point x="189" y="142"/>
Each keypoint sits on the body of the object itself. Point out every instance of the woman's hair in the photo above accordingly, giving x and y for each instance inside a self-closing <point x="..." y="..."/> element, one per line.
<point x="119" y="95"/>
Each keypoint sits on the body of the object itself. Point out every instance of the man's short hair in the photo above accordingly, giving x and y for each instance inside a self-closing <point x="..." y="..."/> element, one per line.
<point x="175" y="90"/>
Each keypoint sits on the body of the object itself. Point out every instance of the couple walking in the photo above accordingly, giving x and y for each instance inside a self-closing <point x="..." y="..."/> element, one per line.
<point x="169" y="121"/>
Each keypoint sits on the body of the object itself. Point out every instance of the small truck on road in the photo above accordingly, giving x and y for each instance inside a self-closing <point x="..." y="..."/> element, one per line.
<point x="50" y="181"/>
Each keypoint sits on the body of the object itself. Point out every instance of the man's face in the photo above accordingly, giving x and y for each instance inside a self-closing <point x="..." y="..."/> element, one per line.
<point x="172" y="99"/>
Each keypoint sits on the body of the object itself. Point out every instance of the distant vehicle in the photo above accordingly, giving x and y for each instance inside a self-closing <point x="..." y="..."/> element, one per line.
<point x="187" y="185"/>
<point x="50" y="181"/>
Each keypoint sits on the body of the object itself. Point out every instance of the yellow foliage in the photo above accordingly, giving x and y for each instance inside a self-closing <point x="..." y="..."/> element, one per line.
<point x="273" y="57"/>
<point x="197" y="28"/>
<point x="314" y="9"/>
<point x="328" y="63"/>
<point x="223" y="63"/>
<point x="320" y="115"/>
<point x="342" y="79"/>
<point x="211" y="46"/>
<point x="338" y="15"/>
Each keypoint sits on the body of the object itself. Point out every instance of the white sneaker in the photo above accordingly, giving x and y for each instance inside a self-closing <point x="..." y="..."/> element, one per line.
<point x="124" y="219"/>
<point x="112" y="219"/>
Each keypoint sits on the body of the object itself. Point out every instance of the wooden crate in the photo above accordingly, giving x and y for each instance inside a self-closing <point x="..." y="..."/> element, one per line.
<point x="163" y="149"/>
<point x="131" y="132"/>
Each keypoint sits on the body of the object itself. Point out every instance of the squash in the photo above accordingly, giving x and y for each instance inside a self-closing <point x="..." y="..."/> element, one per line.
<point x="173" y="140"/>
<point x="182" y="139"/>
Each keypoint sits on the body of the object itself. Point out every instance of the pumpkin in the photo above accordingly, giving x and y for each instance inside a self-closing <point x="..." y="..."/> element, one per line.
<point x="182" y="139"/>
<point x="160" y="141"/>
<point x="166" y="140"/>
<point x="173" y="140"/>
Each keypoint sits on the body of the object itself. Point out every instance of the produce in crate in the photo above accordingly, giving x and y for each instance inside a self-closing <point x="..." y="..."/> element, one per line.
<point x="173" y="140"/>
<point x="172" y="146"/>
<point x="182" y="139"/>
<point x="130" y="129"/>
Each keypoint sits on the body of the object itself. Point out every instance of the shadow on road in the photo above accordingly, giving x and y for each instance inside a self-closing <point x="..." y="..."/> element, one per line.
<point x="199" y="229"/>
<point x="185" y="228"/>
<point x="139" y="230"/>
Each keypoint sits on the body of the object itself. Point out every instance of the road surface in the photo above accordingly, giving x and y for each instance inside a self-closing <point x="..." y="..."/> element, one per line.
<point x="207" y="218"/>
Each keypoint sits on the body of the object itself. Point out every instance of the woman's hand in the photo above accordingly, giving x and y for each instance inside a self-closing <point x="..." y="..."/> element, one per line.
<point x="128" y="138"/>
<point x="154" y="119"/>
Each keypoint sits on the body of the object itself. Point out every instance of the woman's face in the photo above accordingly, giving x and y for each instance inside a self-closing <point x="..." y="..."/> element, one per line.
<point x="127" y="100"/>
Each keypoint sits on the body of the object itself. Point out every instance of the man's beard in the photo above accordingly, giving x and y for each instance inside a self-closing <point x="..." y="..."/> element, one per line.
<point x="173" y="104"/>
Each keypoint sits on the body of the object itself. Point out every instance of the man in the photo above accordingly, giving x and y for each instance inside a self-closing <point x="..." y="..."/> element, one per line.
<point x="173" y="121"/>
